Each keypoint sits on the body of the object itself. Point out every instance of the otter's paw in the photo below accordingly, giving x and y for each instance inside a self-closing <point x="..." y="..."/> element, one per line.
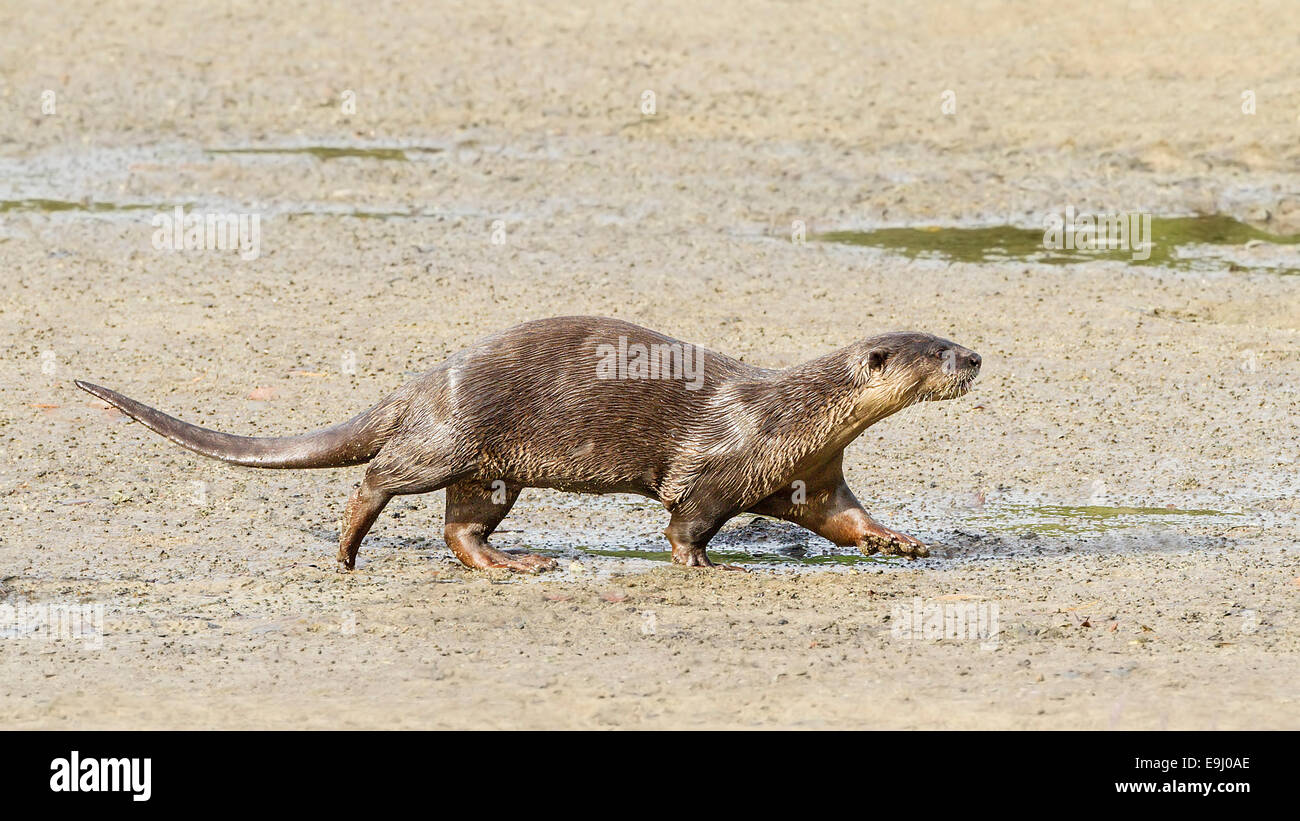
<point x="526" y="563"/>
<point x="892" y="543"/>
<point x="696" y="557"/>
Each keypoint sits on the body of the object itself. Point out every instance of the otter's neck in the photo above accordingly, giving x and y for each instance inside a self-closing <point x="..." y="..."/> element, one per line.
<point x="824" y="404"/>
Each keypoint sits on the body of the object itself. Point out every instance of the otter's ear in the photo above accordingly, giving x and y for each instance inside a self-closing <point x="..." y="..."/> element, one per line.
<point x="876" y="359"/>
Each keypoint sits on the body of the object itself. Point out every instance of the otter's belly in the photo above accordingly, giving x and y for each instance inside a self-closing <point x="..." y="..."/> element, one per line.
<point x="590" y="467"/>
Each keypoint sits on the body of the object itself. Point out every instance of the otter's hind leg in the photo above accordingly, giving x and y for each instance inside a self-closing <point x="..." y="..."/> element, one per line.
<point x="689" y="536"/>
<point x="362" y="510"/>
<point x="474" y="509"/>
<point x="397" y="470"/>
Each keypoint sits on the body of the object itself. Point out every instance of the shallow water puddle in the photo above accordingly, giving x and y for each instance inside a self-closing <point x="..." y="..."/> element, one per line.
<point x="49" y="206"/>
<point x="46" y="206"/>
<point x="331" y="152"/>
<point x="1070" y="520"/>
<point x="1172" y="240"/>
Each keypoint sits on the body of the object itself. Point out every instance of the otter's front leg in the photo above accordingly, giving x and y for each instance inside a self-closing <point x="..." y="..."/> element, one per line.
<point x="832" y="511"/>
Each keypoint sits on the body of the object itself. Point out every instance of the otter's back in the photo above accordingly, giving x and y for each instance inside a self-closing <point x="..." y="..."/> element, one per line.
<point x="584" y="403"/>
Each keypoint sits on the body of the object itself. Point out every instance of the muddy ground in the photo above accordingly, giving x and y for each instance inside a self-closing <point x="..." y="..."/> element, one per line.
<point x="1117" y="494"/>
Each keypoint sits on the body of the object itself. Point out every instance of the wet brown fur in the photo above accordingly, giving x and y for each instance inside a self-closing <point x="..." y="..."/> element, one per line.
<point x="524" y="408"/>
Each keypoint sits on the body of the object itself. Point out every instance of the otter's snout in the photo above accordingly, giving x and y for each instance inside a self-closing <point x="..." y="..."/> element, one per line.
<point x="960" y="368"/>
<point x="961" y="361"/>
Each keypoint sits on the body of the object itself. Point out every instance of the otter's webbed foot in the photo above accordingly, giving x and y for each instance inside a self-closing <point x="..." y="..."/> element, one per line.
<point x="527" y="563"/>
<point x="490" y="559"/>
<point x="474" y="551"/>
<point x="698" y="558"/>
<point x="880" y="539"/>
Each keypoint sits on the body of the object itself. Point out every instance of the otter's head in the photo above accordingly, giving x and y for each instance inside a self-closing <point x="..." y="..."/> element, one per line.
<point x="917" y="367"/>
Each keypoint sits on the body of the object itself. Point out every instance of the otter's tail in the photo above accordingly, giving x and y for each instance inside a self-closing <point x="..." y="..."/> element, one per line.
<point x="353" y="442"/>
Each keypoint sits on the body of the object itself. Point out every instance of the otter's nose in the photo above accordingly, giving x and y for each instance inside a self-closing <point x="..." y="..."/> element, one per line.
<point x="973" y="360"/>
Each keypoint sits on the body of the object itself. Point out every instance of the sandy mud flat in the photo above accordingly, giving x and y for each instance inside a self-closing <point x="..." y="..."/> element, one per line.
<point x="1113" y="508"/>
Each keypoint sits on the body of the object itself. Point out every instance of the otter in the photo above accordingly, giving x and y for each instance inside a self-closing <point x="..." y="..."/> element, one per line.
<point x="598" y="405"/>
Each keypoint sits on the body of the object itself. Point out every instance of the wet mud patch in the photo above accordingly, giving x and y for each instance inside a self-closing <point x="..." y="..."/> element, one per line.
<point x="973" y="545"/>
<point x="749" y="541"/>
<point x="771" y="541"/>
<point x="998" y="529"/>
